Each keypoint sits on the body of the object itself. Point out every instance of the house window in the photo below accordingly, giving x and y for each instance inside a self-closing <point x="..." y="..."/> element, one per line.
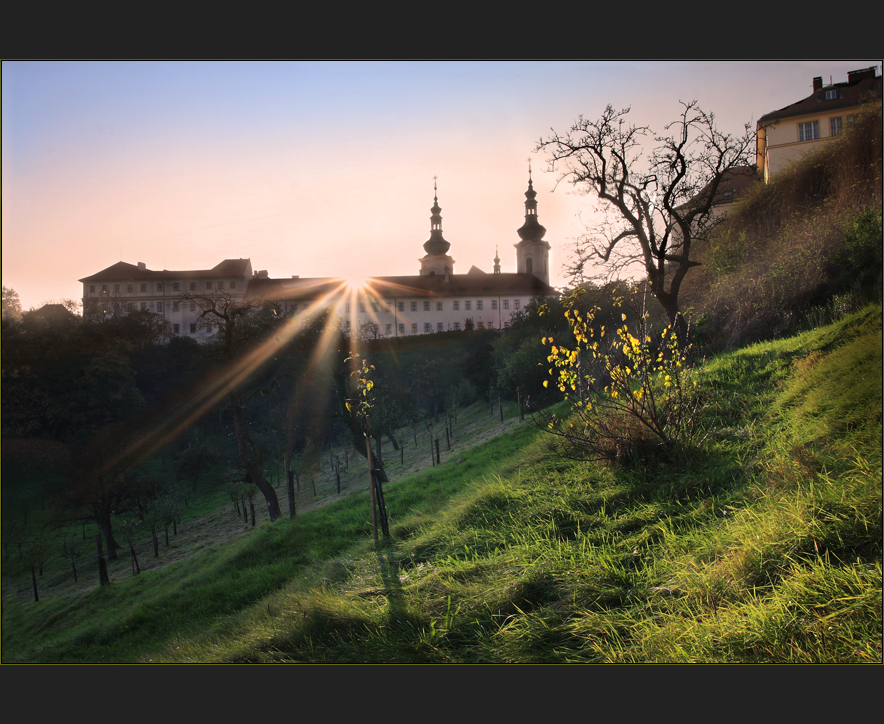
<point x="208" y="285"/>
<point x="414" y="328"/>
<point x="401" y="306"/>
<point x="427" y="328"/>
<point x="175" y="328"/>
<point x="116" y="288"/>
<point x="831" y="94"/>
<point x="362" y="307"/>
<point x="374" y="307"/>
<point x="835" y="126"/>
<point x="175" y="286"/>
<point x="456" y="306"/>
<point x="506" y="303"/>
<point x="438" y="326"/>
<point x="389" y="329"/>
<point x="493" y="304"/>
<point x="516" y="303"/>
<point x="809" y="131"/>
<point x="457" y="326"/>
<point x="144" y="305"/>
<point x="193" y="286"/>
<point x="174" y="306"/>
<point x="220" y="285"/>
<point x="144" y="287"/>
<point x="438" y="306"/>
<point x="104" y="288"/>
<point x="414" y="306"/>
<point x="130" y="288"/>
<point x="478" y="304"/>
<point x="401" y="327"/>
<point x="160" y="287"/>
<point x="481" y="325"/>
<point x="426" y="306"/>
<point x="193" y="329"/>
<point x="130" y="306"/>
<point x="468" y="305"/>
<point x="159" y="306"/>
<point x="92" y="289"/>
<point x="347" y="308"/>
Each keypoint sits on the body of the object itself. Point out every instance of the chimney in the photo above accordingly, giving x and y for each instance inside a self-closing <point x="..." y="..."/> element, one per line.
<point x="817" y="83"/>
<point x="142" y="266"/>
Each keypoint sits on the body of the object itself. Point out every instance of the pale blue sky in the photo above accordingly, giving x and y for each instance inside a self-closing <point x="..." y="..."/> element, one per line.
<point x="316" y="168"/>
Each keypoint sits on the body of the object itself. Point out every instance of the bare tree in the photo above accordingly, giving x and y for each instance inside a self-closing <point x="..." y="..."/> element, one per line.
<point x="656" y="206"/>
<point x="239" y="331"/>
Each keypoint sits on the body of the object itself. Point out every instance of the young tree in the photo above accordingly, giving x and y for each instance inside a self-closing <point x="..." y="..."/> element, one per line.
<point x="11" y="304"/>
<point x="654" y="208"/>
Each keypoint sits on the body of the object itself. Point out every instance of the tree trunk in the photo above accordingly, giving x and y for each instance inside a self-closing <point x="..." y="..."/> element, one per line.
<point x="104" y="525"/>
<point x="253" y="462"/>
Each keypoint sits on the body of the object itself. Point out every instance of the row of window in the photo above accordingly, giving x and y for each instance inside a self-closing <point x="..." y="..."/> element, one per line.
<point x="468" y="305"/>
<point x="176" y="287"/>
<point x="810" y="131"/>
<point x="428" y="327"/>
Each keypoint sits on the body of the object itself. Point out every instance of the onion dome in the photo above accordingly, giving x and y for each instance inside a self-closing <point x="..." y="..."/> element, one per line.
<point x="436" y="245"/>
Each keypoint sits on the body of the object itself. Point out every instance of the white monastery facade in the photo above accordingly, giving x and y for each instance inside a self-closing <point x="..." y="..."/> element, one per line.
<point x="434" y="300"/>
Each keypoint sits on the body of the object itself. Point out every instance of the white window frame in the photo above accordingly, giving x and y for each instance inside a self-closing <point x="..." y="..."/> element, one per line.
<point x="836" y="126"/>
<point x="809" y="131"/>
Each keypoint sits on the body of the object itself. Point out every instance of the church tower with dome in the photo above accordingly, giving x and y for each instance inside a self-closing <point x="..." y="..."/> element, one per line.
<point x="532" y="252"/>
<point x="437" y="260"/>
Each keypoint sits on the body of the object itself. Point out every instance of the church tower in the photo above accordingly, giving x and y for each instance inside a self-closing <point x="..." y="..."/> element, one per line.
<point x="437" y="260"/>
<point x="532" y="252"/>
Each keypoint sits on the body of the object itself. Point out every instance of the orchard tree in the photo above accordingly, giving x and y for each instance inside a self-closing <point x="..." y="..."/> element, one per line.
<point x="655" y="202"/>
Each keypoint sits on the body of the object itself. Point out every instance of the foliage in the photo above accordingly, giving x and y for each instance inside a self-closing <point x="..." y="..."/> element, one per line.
<point x="11" y="305"/>
<point x="631" y="391"/>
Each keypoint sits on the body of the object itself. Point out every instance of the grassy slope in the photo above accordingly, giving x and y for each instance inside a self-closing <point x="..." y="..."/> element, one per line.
<point x="763" y="546"/>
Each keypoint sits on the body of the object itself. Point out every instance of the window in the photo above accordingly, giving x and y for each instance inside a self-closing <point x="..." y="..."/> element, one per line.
<point x="362" y="307"/>
<point x="160" y="287"/>
<point x="116" y="288"/>
<point x="456" y="306"/>
<point x="193" y="286"/>
<point x="481" y="325"/>
<point x="439" y="326"/>
<point x="130" y="306"/>
<point x="468" y="305"/>
<point x="193" y="306"/>
<point x="478" y="304"/>
<point x="159" y="306"/>
<point x="144" y="305"/>
<point x="92" y="289"/>
<point x="427" y="328"/>
<point x="347" y="308"/>
<point x="401" y="326"/>
<point x="414" y="306"/>
<point x="130" y="288"/>
<point x="175" y="328"/>
<point x="456" y="326"/>
<point x="104" y="288"/>
<point x="490" y="325"/>
<point x="835" y="126"/>
<point x="506" y="303"/>
<point x="175" y="286"/>
<point x="220" y="285"/>
<point x="401" y="306"/>
<point x="438" y="306"/>
<point x="175" y="306"/>
<point x="387" y="307"/>
<point x="809" y="131"/>
<point x="414" y="328"/>
<point x="374" y="307"/>
<point x="389" y="329"/>
<point x="831" y="94"/>
<point x="208" y="285"/>
<point x="193" y="329"/>
<point x="516" y="303"/>
<point x="493" y="304"/>
<point x="144" y="287"/>
<point x="426" y="306"/>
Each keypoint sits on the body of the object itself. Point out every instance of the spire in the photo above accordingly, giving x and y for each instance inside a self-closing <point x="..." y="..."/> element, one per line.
<point x="496" y="261"/>
<point x="436" y="245"/>
<point x="531" y="230"/>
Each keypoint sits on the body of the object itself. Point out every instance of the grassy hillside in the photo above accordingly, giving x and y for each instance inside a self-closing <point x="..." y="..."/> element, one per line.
<point x="763" y="545"/>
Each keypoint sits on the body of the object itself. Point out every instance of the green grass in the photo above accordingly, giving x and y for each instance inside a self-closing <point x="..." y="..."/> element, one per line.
<point x="764" y="545"/>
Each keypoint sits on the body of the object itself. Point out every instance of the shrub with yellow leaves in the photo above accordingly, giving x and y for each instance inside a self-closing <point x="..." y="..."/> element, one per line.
<point x="632" y="391"/>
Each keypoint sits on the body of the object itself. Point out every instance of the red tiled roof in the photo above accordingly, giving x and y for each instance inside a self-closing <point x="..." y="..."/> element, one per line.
<point x="848" y="95"/>
<point x="124" y="271"/>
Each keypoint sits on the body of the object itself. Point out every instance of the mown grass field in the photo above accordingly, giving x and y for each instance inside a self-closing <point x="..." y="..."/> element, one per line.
<point x="762" y="545"/>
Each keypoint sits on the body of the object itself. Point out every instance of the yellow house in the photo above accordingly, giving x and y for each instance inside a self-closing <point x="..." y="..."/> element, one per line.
<point x="787" y="134"/>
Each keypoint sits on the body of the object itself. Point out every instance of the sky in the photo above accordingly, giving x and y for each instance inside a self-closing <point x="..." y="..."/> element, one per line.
<point x="319" y="168"/>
